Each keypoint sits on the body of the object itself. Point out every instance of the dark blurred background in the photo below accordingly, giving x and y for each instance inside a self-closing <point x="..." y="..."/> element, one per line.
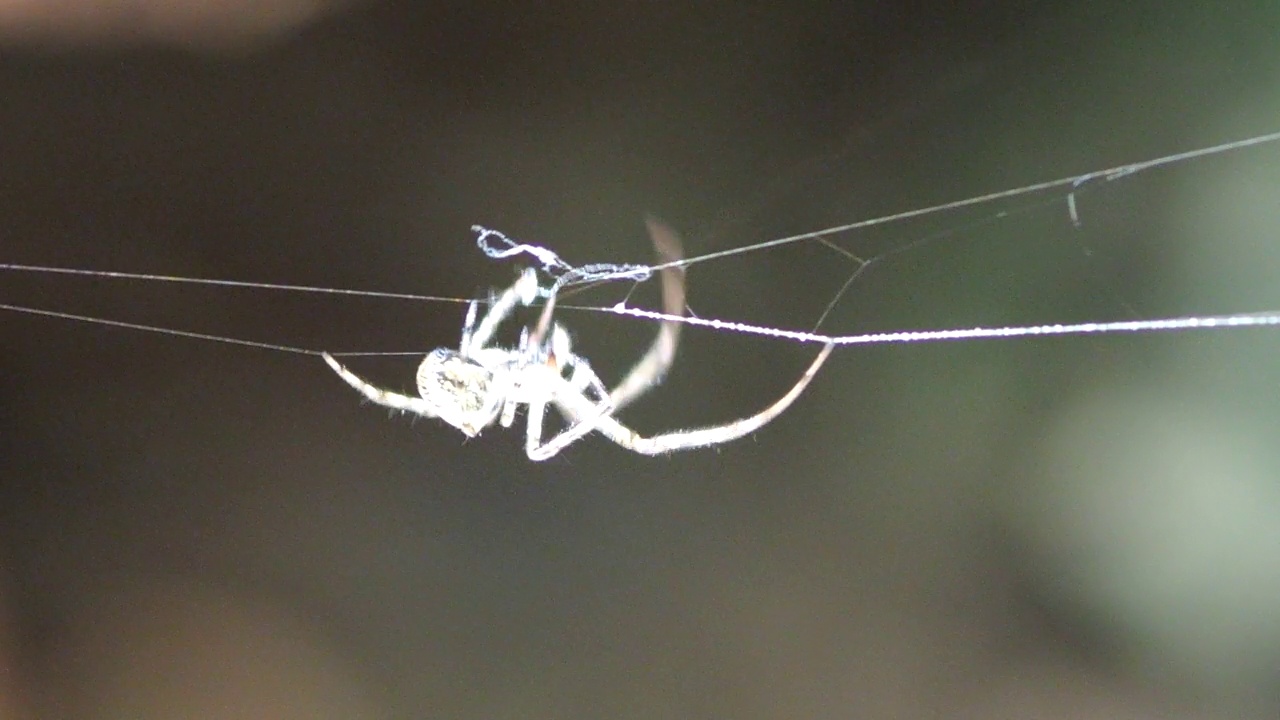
<point x="1056" y="528"/>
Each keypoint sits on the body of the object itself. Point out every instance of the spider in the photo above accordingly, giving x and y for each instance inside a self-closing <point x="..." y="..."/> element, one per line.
<point x="471" y="387"/>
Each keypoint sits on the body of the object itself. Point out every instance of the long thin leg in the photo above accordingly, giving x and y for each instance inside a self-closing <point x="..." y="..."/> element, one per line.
<point x="651" y="367"/>
<point x="533" y="430"/>
<point x="583" y="377"/>
<point x="512" y="403"/>
<point x="572" y="434"/>
<point x="468" y="327"/>
<point x="523" y="292"/>
<point x="378" y="395"/>
<point x="576" y="406"/>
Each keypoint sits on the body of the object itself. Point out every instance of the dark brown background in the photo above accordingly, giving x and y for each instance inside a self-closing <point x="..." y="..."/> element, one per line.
<point x="1066" y="528"/>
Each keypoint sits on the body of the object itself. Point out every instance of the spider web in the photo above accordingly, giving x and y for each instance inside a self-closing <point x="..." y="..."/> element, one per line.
<point x="1062" y="197"/>
<point x="1058" y="196"/>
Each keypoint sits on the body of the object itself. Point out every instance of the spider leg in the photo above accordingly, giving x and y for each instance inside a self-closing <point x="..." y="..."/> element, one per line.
<point x="512" y="403"/>
<point x="533" y="430"/>
<point x="375" y="394"/>
<point x="523" y="292"/>
<point x="652" y="367"/>
<point x="577" y="406"/>
<point x="581" y="380"/>
<point x="468" y="326"/>
<point x="582" y="376"/>
<point x="580" y="424"/>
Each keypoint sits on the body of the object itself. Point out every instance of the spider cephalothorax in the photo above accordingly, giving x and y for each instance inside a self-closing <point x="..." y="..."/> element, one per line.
<point x="478" y="383"/>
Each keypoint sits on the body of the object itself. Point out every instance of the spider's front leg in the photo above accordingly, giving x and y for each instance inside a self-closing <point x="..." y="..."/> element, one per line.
<point x="522" y="293"/>
<point x="375" y="394"/>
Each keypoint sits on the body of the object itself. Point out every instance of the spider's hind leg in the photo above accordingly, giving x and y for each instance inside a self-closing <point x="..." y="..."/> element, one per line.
<point x="385" y="398"/>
